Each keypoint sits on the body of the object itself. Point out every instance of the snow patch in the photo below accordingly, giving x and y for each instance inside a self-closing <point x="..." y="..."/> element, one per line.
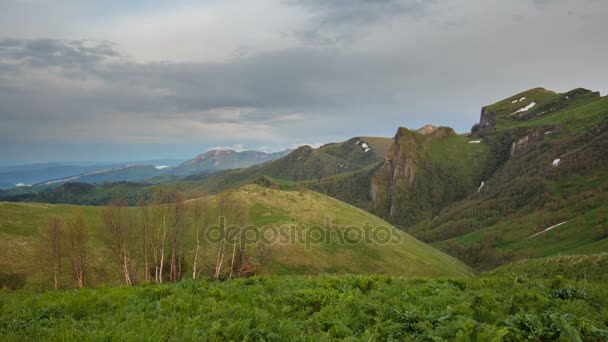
<point x="556" y="162"/>
<point x="549" y="132"/>
<point x="525" y="109"/>
<point x="21" y="184"/>
<point x="367" y="149"/>
<point x="474" y="141"/>
<point x="357" y="143"/>
<point x="514" y="101"/>
<point x="161" y="167"/>
<point x="300" y="157"/>
<point x="548" y="229"/>
<point x="481" y="186"/>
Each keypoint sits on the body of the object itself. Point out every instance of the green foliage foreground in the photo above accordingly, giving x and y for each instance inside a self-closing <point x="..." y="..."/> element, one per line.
<point x="354" y="308"/>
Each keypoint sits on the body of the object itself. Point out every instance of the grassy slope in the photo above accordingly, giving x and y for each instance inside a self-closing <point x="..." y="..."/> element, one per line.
<point x="350" y="308"/>
<point x="527" y="195"/>
<point x="21" y="225"/>
<point x="579" y="267"/>
<point x="576" y="109"/>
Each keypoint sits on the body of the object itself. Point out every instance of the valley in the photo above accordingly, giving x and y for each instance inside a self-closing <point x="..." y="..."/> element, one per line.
<point x="514" y="209"/>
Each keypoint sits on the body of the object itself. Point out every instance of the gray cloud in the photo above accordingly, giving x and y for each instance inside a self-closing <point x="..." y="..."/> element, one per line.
<point x="381" y="64"/>
<point x="46" y="52"/>
<point x="335" y="21"/>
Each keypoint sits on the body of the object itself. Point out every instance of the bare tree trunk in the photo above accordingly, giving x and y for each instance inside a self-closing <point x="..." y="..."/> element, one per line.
<point x="221" y="250"/>
<point x="145" y="210"/>
<point x="119" y="225"/>
<point x="125" y="268"/>
<point x="53" y="241"/>
<point x="229" y="208"/>
<point x="220" y="259"/>
<point x="233" y="258"/>
<point x="78" y="244"/>
<point x="198" y="215"/>
<point x="196" y="251"/>
<point x="178" y="218"/>
<point x="162" y="250"/>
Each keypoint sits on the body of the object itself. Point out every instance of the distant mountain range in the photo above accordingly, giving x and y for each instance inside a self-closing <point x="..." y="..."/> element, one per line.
<point x="224" y="159"/>
<point x="49" y="174"/>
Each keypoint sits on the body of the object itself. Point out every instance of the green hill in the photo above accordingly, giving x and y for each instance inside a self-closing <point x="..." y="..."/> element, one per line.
<point x="592" y="267"/>
<point x="549" y="192"/>
<point x="536" y="161"/>
<point x="335" y="252"/>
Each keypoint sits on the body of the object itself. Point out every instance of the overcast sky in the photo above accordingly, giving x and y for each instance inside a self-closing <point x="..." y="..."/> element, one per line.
<point x="102" y="80"/>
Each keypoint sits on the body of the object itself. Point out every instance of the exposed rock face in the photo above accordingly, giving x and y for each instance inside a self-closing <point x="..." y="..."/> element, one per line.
<point x="427" y="129"/>
<point x="530" y="139"/>
<point x="398" y="171"/>
<point x="419" y="174"/>
<point x="519" y="145"/>
<point x="487" y="119"/>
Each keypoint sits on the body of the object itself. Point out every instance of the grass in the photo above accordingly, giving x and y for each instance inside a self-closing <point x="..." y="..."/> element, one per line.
<point x="21" y="226"/>
<point x="581" y="110"/>
<point x="578" y="267"/>
<point x="299" y="308"/>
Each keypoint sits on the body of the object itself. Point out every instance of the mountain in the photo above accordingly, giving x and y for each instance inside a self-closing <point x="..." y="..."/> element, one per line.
<point x="423" y="171"/>
<point x="530" y="180"/>
<point x="546" y="185"/>
<point x="25" y="175"/>
<point x="308" y="163"/>
<point x="133" y="172"/>
<point x="44" y="175"/>
<point x="21" y="225"/>
<point x="224" y="159"/>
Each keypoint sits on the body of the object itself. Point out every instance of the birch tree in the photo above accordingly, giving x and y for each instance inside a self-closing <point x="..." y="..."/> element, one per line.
<point x="119" y="226"/>
<point x="177" y="215"/>
<point x="198" y="210"/>
<point x="53" y="241"/>
<point x="231" y="211"/>
<point x="77" y="237"/>
<point x="144" y="210"/>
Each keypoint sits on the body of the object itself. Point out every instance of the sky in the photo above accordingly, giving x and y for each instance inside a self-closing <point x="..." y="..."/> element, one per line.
<point x="111" y="80"/>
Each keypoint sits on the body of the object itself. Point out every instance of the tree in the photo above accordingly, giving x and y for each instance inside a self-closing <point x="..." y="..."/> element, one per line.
<point x="230" y="211"/>
<point x="199" y="214"/>
<point x="118" y="224"/>
<point x="178" y="216"/>
<point x="144" y="210"/>
<point x="159" y="232"/>
<point x="53" y="241"/>
<point x="78" y="247"/>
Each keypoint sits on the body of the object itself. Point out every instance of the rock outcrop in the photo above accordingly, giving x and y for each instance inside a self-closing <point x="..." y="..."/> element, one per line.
<point x="487" y="118"/>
